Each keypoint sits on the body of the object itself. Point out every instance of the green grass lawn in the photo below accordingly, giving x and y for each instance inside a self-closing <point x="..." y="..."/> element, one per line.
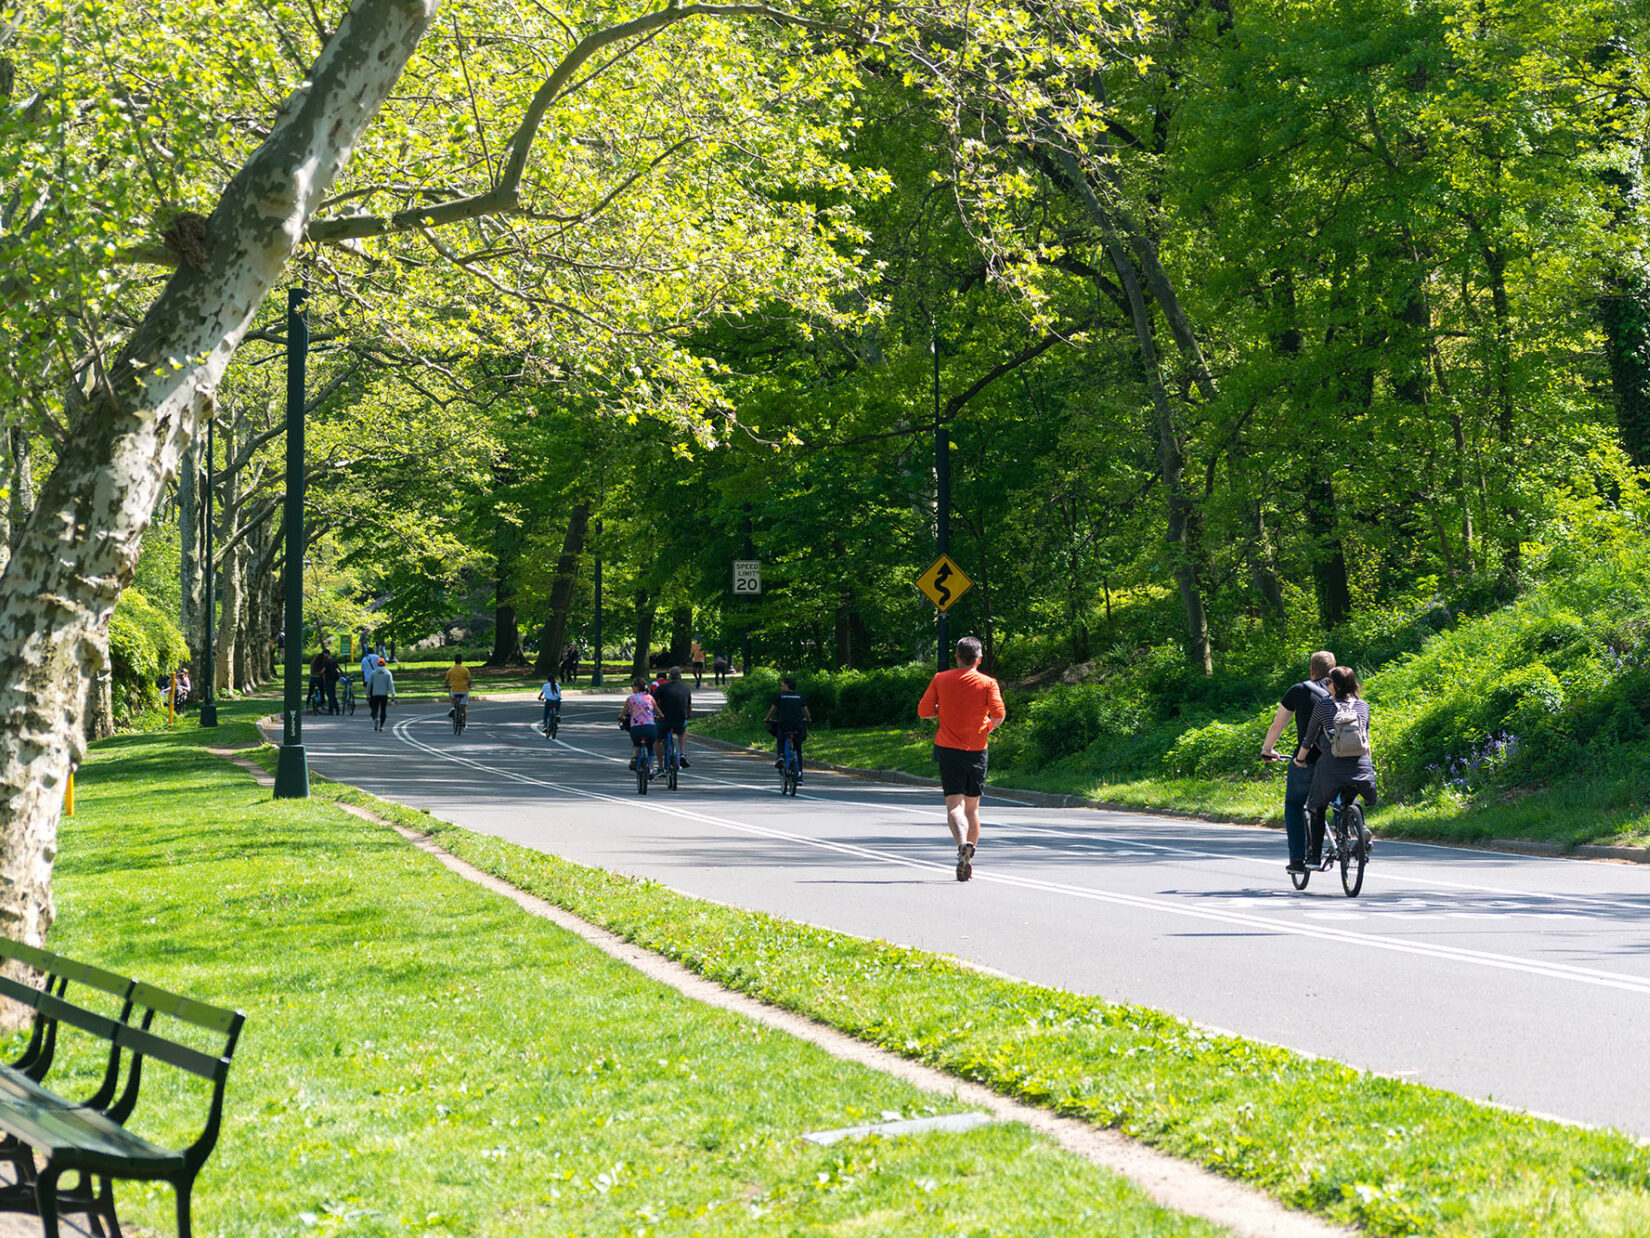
<point x="422" y="1057"/>
<point x="1566" y="815"/>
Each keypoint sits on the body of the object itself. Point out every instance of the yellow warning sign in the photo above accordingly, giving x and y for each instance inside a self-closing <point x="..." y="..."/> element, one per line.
<point x="943" y="583"/>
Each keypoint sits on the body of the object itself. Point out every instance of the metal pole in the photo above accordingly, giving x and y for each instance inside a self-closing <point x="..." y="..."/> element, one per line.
<point x="292" y="768"/>
<point x="750" y="553"/>
<point x="209" y="705"/>
<point x="596" y="674"/>
<point x="942" y="505"/>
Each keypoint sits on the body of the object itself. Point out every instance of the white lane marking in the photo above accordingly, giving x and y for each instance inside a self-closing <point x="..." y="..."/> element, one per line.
<point x="1456" y="954"/>
<point x="1387" y="874"/>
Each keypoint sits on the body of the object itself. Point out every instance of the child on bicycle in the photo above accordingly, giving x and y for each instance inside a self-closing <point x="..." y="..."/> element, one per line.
<point x="550" y="694"/>
<point x="1339" y="730"/>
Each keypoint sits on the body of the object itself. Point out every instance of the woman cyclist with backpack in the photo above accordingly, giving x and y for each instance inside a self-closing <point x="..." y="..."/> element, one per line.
<point x="1339" y="730"/>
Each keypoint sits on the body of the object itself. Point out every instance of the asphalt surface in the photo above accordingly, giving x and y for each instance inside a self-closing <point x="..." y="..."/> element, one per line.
<point x="1510" y="978"/>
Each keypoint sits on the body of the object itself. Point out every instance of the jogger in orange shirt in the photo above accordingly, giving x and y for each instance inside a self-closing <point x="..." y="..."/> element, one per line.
<point x="969" y="706"/>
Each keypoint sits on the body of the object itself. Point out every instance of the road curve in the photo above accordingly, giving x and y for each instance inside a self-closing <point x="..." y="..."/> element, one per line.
<point x="1517" y="979"/>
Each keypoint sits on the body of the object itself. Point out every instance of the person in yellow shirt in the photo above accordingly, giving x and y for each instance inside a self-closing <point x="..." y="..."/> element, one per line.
<point x="457" y="679"/>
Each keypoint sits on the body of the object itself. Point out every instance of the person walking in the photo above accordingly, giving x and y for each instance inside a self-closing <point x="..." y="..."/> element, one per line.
<point x="969" y="706"/>
<point x="696" y="658"/>
<point x="1298" y="703"/>
<point x="720" y="666"/>
<point x="380" y="687"/>
<point x="333" y="672"/>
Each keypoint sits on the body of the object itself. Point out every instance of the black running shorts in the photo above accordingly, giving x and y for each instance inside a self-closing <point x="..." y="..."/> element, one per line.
<point x="961" y="772"/>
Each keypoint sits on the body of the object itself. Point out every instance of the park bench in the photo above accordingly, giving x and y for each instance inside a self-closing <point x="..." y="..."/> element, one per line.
<point x="45" y="1135"/>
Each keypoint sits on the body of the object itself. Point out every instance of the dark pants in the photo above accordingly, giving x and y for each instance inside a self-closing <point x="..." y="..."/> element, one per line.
<point x="796" y="743"/>
<point x="380" y="706"/>
<point x="1297" y="788"/>
<point x="332" y="695"/>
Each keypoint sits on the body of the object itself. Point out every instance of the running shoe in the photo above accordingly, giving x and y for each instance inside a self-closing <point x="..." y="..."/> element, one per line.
<point x="965" y="861"/>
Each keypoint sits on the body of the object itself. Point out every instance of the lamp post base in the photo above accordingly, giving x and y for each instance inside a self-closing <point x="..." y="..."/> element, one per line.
<point x="209" y="713"/>
<point x="292" y="773"/>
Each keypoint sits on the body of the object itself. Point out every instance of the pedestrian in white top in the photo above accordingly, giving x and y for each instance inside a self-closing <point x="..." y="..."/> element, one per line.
<point x="380" y="691"/>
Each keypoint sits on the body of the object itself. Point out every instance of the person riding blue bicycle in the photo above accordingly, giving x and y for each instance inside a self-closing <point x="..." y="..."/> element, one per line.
<point x="550" y="694"/>
<point x="675" y="706"/>
<point x="788" y="715"/>
<point x="1339" y="733"/>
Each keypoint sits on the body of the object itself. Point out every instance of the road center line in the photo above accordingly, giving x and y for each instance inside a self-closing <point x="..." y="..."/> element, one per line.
<point x="1477" y="958"/>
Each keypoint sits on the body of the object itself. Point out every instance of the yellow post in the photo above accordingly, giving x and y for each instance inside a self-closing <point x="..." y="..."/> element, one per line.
<point x="68" y="797"/>
<point x="172" y="698"/>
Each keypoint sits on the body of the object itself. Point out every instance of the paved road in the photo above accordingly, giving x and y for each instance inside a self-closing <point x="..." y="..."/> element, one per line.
<point x="1517" y="979"/>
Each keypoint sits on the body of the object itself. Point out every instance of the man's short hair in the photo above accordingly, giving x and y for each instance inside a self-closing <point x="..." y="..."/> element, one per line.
<point x="458" y="657"/>
<point x="1322" y="663"/>
<point x="789" y="681"/>
<point x="970" y="651"/>
<point x="675" y="674"/>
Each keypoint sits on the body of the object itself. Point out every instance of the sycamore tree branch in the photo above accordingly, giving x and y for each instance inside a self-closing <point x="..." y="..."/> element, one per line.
<point x="505" y="196"/>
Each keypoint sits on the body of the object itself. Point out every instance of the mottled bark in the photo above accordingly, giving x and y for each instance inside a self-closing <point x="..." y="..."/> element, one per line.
<point x="77" y="551"/>
<point x="189" y="553"/>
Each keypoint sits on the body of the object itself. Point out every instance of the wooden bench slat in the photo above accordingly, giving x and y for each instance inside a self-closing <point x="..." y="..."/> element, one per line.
<point x="187" y="1009"/>
<point x="169" y="1051"/>
<point x="83" y="1134"/>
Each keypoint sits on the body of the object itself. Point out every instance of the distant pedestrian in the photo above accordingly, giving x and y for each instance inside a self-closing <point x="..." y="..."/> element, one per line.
<point x="696" y="657"/>
<point x="969" y="706"/>
<point x="380" y="686"/>
<point x="720" y="668"/>
<point x="332" y="673"/>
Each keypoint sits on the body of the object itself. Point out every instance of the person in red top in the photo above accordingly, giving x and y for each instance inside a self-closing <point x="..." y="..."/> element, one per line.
<point x="969" y="706"/>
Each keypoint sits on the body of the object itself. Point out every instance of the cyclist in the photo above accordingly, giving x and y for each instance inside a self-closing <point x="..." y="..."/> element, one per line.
<point x="1299" y="703"/>
<point x="788" y="715"/>
<point x="380" y="692"/>
<point x="457" y="680"/>
<point x="1350" y="773"/>
<point x="640" y="718"/>
<point x="550" y="694"/>
<point x="675" y="702"/>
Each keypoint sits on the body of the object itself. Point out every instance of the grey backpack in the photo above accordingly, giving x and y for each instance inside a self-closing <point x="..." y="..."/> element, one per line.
<point x="1348" y="738"/>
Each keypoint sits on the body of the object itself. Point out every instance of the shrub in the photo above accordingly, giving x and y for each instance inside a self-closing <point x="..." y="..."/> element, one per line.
<point x="748" y="695"/>
<point x="879" y="698"/>
<point x="1219" y="749"/>
<point x="143" y="643"/>
<point x="1067" y="720"/>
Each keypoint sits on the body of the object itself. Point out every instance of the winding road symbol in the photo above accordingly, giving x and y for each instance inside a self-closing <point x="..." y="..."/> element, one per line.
<point x="943" y="582"/>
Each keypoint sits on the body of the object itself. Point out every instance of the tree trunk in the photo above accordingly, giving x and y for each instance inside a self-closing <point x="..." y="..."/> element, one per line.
<point x="100" y="699"/>
<point x="554" y="633"/>
<point x="1329" y="575"/>
<point x="506" y="556"/>
<point x="79" y="548"/>
<point x="681" y="635"/>
<point x="645" y="607"/>
<point x="1624" y="312"/>
<point x="229" y="620"/>
<point x="189" y="552"/>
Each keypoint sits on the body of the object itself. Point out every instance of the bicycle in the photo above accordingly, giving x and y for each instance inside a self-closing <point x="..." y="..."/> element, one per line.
<point x="643" y="766"/>
<point x="460" y="713"/>
<point x="549" y="726"/>
<point x="348" y="703"/>
<point x="790" y="765"/>
<point x="316" y="701"/>
<point x="670" y="760"/>
<point x="1346" y="843"/>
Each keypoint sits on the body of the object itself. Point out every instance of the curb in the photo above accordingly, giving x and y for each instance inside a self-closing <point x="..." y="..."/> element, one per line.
<point x="1046" y="799"/>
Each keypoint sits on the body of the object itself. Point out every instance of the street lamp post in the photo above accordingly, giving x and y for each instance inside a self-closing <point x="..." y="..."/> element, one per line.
<point x="942" y="503"/>
<point x="596" y="673"/>
<point x="292" y="767"/>
<point x="209" y="705"/>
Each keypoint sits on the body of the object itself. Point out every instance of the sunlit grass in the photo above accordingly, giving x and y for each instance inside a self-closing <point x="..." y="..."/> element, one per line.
<point x="423" y="1057"/>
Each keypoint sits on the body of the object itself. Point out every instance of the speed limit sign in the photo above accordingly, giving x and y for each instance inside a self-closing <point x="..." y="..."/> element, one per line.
<point x="747" y="577"/>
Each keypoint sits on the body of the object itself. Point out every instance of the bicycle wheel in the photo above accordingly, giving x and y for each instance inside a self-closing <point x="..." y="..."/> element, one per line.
<point x="1349" y="838"/>
<point x="555" y="722"/>
<point x="641" y="771"/>
<point x="1299" y="880"/>
<point x="670" y="777"/>
<point x="349" y="699"/>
